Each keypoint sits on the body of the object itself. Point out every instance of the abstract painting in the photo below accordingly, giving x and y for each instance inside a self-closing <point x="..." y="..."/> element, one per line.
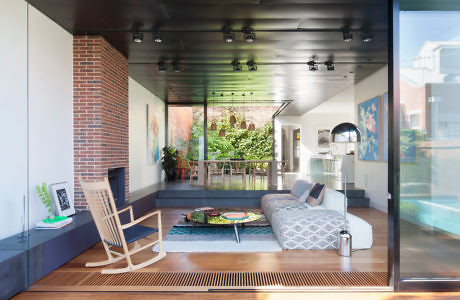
<point x="385" y="127"/>
<point x="369" y="125"/>
<point x="153" y="141"/>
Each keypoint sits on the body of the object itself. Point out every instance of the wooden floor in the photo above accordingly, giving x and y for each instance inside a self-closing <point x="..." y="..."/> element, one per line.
<point x="371" y="260"/>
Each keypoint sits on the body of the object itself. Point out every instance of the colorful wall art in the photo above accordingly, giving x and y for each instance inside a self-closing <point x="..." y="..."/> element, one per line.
<point x="153" y="141"/>
<point x="369" y="124"/>
<point x="385" y="127"/>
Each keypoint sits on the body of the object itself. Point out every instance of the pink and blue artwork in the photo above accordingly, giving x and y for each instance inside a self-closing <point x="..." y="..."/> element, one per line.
<point x="369" y="125"/>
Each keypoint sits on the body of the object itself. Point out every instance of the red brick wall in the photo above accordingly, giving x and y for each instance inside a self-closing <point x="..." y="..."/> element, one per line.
<point x="100" y="83"/>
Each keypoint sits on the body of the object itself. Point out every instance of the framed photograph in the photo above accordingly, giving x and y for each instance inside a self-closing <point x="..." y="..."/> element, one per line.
<point x="324" y="140"/>
<point x="369" y="125"/>
<point x="63" y="200"/>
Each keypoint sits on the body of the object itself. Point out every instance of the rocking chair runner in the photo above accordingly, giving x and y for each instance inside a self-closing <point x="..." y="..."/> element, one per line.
<point x="113" y="234"/>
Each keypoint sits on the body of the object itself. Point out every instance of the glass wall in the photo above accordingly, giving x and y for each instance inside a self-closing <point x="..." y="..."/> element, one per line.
<point x="429" y="141"/>
<point x="13" y="150"/>
<point x="186" y="130"/>
<point x="240" y="131"/>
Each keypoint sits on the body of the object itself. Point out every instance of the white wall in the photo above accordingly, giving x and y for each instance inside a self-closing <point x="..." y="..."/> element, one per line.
<point x="142" y="175"/>
<point x="50" y="107"/>
<point x="369" y="175"/>
<point x="327" y="115"/>
<point x="13" y="116"/>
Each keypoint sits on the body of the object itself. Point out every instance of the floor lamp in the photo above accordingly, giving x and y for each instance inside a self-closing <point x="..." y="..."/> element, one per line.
<point x="345" y="133"/>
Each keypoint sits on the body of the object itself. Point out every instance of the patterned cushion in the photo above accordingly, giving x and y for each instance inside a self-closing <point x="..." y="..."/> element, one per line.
<point x="297" y="227"/>
<point x="271" y="206"/>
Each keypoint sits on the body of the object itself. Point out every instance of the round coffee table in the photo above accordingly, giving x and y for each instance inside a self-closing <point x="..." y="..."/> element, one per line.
<point x="252" y="216"/>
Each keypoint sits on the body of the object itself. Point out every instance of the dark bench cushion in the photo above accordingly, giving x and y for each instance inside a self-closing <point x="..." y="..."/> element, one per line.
<point x="135" y="233"/>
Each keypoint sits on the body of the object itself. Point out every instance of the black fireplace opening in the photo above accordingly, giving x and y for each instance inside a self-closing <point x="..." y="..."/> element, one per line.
<point x="117" y="184"/>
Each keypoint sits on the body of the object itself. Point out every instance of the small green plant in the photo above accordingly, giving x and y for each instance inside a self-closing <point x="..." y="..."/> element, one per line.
<point x="44" y="195"/>
<point x="169" y="162"/>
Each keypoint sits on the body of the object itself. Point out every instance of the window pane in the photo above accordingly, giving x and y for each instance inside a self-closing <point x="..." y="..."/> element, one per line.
<point x="430" y="143"/>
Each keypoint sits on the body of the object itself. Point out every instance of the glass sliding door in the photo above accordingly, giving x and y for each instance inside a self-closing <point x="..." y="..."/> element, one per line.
<point x="14" y="239"/>
<point x="429" y="141"/>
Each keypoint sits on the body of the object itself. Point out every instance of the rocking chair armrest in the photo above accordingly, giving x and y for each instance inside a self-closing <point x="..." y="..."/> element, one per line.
<point x="130" y="208"/>
<point x="138" y="220"/>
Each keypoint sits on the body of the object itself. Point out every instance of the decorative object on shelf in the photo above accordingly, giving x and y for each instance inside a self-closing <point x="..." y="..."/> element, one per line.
<point x="58" y="222"/>
<point x="213" y="123"/>
<point x="153" y="140"/>
<point x="169" y="162"/>
<point x="63" y="200"/>
<point x="44" y="195"/>
<point x="369" y="125"/>
<point x="235" y="216"/>
<point x="232" y="116"/>
<point x="345" y="133"/>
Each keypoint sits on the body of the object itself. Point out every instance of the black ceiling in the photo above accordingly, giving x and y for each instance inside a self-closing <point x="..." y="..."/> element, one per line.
<point x="288" y="34"/>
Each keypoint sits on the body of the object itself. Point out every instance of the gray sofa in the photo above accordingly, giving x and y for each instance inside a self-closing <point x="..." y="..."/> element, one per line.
<point x="298" y="225"/>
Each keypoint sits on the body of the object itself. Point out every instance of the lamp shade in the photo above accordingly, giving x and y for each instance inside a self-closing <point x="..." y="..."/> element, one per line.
<point x="346" y="133"/>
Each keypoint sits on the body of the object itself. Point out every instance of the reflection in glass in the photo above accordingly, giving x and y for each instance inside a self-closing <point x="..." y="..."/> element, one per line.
<point x="430" y="144"/>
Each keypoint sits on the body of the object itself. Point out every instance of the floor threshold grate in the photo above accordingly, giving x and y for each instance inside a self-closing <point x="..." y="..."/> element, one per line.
<point x="151" y="280"/>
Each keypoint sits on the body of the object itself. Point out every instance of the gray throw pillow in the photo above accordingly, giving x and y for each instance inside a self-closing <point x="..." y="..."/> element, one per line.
<point x="303" y="197"/>
<point x="316" y="195"/>
<point x="300" y="186"/>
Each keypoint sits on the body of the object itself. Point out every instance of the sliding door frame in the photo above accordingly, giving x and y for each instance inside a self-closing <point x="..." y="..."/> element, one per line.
<point x="398" y="283"/>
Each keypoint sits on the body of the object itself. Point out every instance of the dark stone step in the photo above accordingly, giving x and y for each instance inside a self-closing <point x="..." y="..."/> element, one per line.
<point x="354" y="193"/>
<point x="215" y="194"/>
<point x="212" y="202"/>
<point x="358" y="202"/>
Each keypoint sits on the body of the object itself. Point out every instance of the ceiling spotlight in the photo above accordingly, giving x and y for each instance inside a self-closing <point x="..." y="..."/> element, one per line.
<point x="249" y="35"/>
<point x="157" y="37"/>
<point x="312" y="65"/>
<point x="329" y="65"/>
<point x="237" y="66"/>
<point x="367" y="36"/>
<point x="347" y="36"/>
<point x="252" y="65"/>
<point x="162" y="67"/>
<point x="229" y="36"/>
<point x="176" y="67"/>
<point x="138" y="37"/>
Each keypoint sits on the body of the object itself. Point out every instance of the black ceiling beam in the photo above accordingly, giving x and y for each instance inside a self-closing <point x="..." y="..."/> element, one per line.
<point x="269" y="63"/>
<point x="164" y="30"/>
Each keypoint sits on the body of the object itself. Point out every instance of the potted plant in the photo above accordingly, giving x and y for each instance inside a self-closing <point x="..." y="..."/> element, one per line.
<point x="44" y="195"/>
<point x="169" y="162"/>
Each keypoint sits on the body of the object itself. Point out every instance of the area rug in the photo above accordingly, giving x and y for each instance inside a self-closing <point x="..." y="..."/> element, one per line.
<point x="220" y="239"/>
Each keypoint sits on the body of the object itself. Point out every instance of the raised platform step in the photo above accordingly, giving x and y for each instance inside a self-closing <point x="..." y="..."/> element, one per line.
<point x="233" y="198"/>
<point x="215" y="194"/>
<point x="354" y="193"/>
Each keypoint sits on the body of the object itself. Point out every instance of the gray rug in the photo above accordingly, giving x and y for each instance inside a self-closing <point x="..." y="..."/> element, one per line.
<point x="220" y="239"/>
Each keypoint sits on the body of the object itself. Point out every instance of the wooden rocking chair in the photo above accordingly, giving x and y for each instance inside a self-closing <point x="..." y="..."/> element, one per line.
<point x="113" y="234"/>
